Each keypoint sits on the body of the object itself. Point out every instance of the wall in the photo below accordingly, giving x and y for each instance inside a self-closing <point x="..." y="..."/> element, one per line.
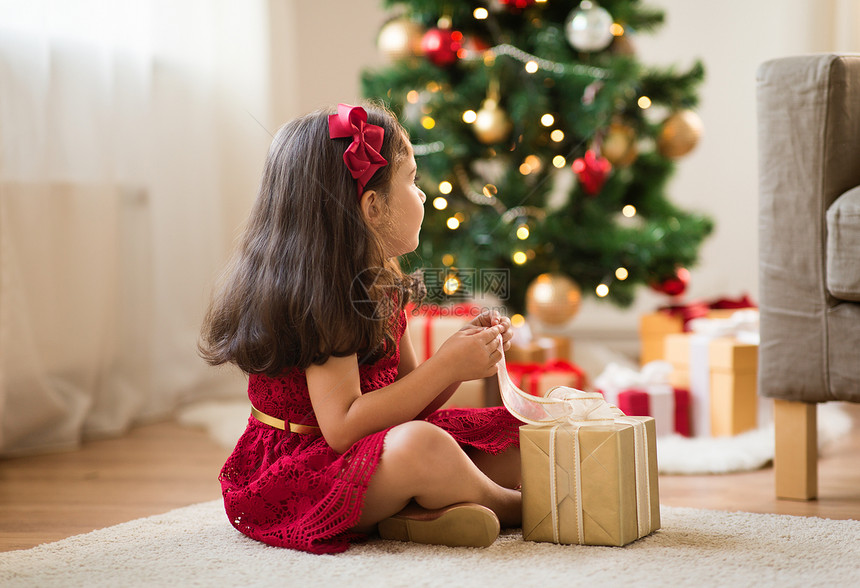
<point x="326" y="44"/>
<point x="320" y="48"/>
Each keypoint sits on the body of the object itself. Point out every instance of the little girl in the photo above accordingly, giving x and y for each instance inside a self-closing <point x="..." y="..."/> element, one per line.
<point x="344" y="437"/>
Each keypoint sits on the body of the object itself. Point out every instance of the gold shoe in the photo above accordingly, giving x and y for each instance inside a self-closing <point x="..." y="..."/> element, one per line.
<point x="460" y="525"/>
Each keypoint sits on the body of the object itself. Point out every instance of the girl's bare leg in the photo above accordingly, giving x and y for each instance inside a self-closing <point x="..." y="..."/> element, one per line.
<point x="424" y="463"/>
<point x="503" y="468"/>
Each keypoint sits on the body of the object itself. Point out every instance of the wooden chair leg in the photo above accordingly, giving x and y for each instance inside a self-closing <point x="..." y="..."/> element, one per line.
<point x="796" y="453"/>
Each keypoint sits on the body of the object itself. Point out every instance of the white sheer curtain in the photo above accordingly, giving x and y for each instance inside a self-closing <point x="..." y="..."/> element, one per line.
<point x="846" y="26"/>
<point x="129" y="152"/>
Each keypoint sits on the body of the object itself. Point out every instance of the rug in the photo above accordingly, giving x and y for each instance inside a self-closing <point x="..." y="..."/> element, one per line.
<point x="196" y="546"/>
<point x="225" y="421"/>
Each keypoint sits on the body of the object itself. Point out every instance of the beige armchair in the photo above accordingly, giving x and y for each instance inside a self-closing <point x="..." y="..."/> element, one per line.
<point x="809" y="258"/>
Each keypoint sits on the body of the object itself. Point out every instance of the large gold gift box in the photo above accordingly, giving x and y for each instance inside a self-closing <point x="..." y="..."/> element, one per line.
<point x="655" y="326"/>
<point x="612" y="507"/>
<point x="733" y="388"/>
<point x="534" y="351"/>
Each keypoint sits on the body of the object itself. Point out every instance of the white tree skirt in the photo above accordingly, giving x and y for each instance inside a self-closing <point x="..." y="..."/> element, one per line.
<point x="747" y="451"/>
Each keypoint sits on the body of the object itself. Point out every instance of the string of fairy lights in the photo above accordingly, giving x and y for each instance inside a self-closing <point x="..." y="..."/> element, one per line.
<point x="487" y="196"/>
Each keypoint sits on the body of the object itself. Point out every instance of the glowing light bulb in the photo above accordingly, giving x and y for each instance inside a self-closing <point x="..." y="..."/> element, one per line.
<point x="440" y="203"/>
<point x="534" y="163"/>
<point x="621" y="273"/>
<point x="452" y="223"/>
<point x="518" y="320"/>
<point x="602" y="290"/>
<point x="616" y="29"/>
<point x="452" y="284"/>
<point x="531" y="67"/>
<point x="644" y="102"/>
<point x="557" y="135"/>
<point x="559" y="161"/>
<point x="522" y="232"/>
<point x="470" y="116"/>
<point x="445" y="187"/>
<point x="525" y="169"/>
<point x="490" y="190"/>
<point x="427" y="122"/>
<point x="520" y="257"/>
<point x="412" y="97"/>
<point x="448" y="259"/>
<point x="547" y="120"/>
<point x="480" y="13"/>
<point x="629" y="211"/>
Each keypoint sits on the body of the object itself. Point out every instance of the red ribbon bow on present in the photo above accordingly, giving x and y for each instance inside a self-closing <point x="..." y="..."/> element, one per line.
<point x="518" y="371"/>
<point x="362" y="157"/>
<point x="693" y="310"/>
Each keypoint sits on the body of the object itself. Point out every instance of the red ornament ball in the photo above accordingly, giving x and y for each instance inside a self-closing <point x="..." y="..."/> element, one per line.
<point x="592" y="171"/>
<point x="472" y="46"/>
<point x="440" y="46"/>
<point x="517" y="4"/>
<point x="676" y="285"/>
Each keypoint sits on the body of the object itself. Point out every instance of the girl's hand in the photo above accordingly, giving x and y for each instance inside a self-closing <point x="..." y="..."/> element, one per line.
<point x="470" y="353"/>
<point x="491" y="318"/>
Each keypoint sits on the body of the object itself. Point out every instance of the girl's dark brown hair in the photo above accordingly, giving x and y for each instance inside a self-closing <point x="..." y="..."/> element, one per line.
<point x="309" y="278"/>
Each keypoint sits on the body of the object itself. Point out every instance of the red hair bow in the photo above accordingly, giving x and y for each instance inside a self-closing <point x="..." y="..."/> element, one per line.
<point x="362" y="157"/>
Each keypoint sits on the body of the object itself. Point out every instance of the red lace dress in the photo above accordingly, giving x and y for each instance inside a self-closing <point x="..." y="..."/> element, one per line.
<point x="293" y="490"/>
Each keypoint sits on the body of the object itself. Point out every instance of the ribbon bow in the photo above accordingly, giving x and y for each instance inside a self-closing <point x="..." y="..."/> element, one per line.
<point x="560" y="405"/>
<point x="584" y="406"/>
<point x="362" y="157"/>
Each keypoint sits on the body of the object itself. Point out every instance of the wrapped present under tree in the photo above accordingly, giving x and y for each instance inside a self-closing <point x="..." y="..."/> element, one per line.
<point x="648" y="392"/>
<point x="718" y="363"/>
<point x="668" y="320"/>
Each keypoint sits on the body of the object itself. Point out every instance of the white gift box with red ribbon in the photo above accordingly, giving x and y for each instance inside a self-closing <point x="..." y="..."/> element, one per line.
<point x="647" y="392"/>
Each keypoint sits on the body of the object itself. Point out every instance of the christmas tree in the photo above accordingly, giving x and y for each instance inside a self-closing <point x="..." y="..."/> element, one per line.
<point x="543" y="145"/>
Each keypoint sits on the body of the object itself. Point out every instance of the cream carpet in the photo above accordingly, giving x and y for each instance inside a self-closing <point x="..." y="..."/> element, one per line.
<point x="196" y="546"/>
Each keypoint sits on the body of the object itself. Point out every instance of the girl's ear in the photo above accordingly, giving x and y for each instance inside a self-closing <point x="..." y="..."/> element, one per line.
<point x="371" y="207"/>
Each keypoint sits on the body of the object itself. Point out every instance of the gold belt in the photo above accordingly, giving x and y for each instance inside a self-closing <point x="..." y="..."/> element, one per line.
<point x="282" y="425"/>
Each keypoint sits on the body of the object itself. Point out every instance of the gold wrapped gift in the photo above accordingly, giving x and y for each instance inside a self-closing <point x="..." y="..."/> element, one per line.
<point x="429" y="329"/>
<point x="589" y="472"/>
<point x="592" y="483"/>
<point x="534" y="351"/>
<point x="725" y="393"/>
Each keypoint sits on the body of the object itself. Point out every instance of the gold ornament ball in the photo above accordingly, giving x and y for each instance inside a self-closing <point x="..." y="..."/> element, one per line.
<point x="553" y="299"/>
<point x="623" y="45"/>
<point x="400" y="38"/>
<point x="492" y="124"/>
<point x="680" y="134"/>
<point x="619" y="145"/>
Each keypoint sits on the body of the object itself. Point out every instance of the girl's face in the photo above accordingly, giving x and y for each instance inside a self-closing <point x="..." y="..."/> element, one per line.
<point x="405" y="209"/>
